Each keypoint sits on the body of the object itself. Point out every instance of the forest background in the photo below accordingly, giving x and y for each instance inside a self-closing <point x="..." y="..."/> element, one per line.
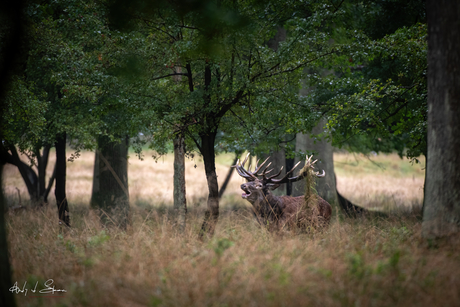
<point x="200" y="78"/>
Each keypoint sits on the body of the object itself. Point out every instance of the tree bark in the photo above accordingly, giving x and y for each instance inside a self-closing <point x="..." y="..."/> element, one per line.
<point x="96" y="172"/>
<point x="212" y="210"/>
<point x="180" y="201"/>
<point x="61" y="173"/>
<point x="229" y="176"/>
<point x="12" y="50"/>
<point x="35" y="184"/>
<point x="27" y="173"/>
<point x="441" y="216"/>
<point x="326" y="187"/>
<point x="110" y="194"/>
<point x="42" y="163"/>
<point x="7" y="298"/>
<point x="278" y="160"/>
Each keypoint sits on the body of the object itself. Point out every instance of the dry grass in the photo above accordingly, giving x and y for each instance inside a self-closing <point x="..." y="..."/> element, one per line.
<point x="383" y="182"/>
<point x="364" y="262"/>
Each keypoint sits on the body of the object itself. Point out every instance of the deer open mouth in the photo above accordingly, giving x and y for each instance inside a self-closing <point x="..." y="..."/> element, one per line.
<point x="246" y="192"/>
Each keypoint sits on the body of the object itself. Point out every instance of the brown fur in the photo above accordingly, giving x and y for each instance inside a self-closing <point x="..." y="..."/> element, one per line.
<point x="280" y="212"/>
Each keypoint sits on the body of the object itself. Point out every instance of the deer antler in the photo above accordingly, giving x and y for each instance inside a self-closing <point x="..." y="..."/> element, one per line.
<point x="247" y="174"/>
<point x="309" y="164"/>
<point x="251" y="176"/>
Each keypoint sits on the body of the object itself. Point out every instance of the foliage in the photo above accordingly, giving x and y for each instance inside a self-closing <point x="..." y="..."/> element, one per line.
<point x="237" y="86"/>
<point x="376" y="97"/>
<point x="71" y="78"/>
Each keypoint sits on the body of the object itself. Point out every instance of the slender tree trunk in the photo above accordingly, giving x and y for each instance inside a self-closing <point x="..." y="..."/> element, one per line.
<point x="441" y="216"/>
<point x="42" y="163"/>
<point x="229" y="176"/>
<point x="180" y="201"/>
<point x="111" y="197"/>
<point x="212" y="210"/>
<point x="96" y="173"/>
<point x="278" y="160"/>
<point x="61" y="173"/>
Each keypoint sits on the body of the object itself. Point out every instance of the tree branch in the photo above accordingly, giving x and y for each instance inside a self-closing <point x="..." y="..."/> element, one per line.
<point x="170" y="75"/>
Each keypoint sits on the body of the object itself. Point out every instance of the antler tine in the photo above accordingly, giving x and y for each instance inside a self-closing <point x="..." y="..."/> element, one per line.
<point x="298" y="163"/>
<point x="242" y="171"/>
<point x="311" y="164"/>
<point x="260" y="166"/>
<point x="265" y="170"/>
<point x="320" y="175"/>
<point x="273" y="176"/>
<point x="317" y="174"/>
<point x="257" y="163"/>
<point x="285" y="179"/>
<point x="245" y="159"/>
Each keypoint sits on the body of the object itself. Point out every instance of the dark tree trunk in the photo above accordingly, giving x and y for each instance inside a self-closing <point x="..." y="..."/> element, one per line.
<point x="180" y="201"/>
<point x="96" y="188"/>
<point x="111" y="197"/>
<point x="289" y="165"/>
<point x="441" y="216"/>
<point x="50" y="185"/>
<point x="35" y="184"/>
<point x="278" y="160"/>
<point x="12" y="49"/>
<point x="7" y="298"/>
<point x="212" y="210"/>
<point x="27" y="173"/>
<point x="42" y="163"/>
<point x="61" y="170"/>
<point x="229" y="176"/>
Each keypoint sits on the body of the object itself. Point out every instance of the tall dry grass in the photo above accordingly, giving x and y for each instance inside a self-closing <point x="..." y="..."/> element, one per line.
<point x="370" y="261"/>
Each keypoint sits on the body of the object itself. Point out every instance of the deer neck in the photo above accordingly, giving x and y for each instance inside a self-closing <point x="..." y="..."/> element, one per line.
<point x="265" y="200"/>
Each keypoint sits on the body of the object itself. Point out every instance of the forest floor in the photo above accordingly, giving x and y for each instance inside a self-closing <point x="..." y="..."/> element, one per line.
<point x="370" y="261"/>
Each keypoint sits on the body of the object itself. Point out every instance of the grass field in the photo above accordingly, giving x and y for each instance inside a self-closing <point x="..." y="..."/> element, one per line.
<point x="370" y="261"/>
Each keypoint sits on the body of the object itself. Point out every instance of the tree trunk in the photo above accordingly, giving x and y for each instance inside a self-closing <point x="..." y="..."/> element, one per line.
<point x="96" y="188"/>
<point x="35" y="184"/>
<point x="110" y="192"/>
<point x="229" y="176"/>
<point x="42" y="163"/>
<point x="12" y="50"/>
<point x="180" y="201"/>
<point x="278" y="160"/>
<point x="326" y="187"/>
<point x="61" y="170"/>
<point x="7" y="298"/>
<point x="441" y="216"/>
<point x="212" y="210"/>
<point x="27" y="173"/>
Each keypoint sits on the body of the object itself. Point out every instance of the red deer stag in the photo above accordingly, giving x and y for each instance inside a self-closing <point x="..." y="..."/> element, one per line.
<point x="278" y="212"/>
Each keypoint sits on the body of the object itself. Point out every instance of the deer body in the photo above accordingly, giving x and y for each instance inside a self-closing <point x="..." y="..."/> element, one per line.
<point x="278" y="212"/>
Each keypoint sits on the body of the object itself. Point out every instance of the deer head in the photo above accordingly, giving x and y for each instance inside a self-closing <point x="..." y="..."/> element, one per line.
<point x="259" y="184"/>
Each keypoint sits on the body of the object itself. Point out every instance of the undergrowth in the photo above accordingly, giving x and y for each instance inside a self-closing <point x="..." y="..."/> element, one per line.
<point x="370" y="261"/>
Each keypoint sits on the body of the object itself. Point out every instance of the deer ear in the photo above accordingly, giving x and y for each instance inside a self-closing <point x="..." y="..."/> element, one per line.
<point x="272" y="186"/>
